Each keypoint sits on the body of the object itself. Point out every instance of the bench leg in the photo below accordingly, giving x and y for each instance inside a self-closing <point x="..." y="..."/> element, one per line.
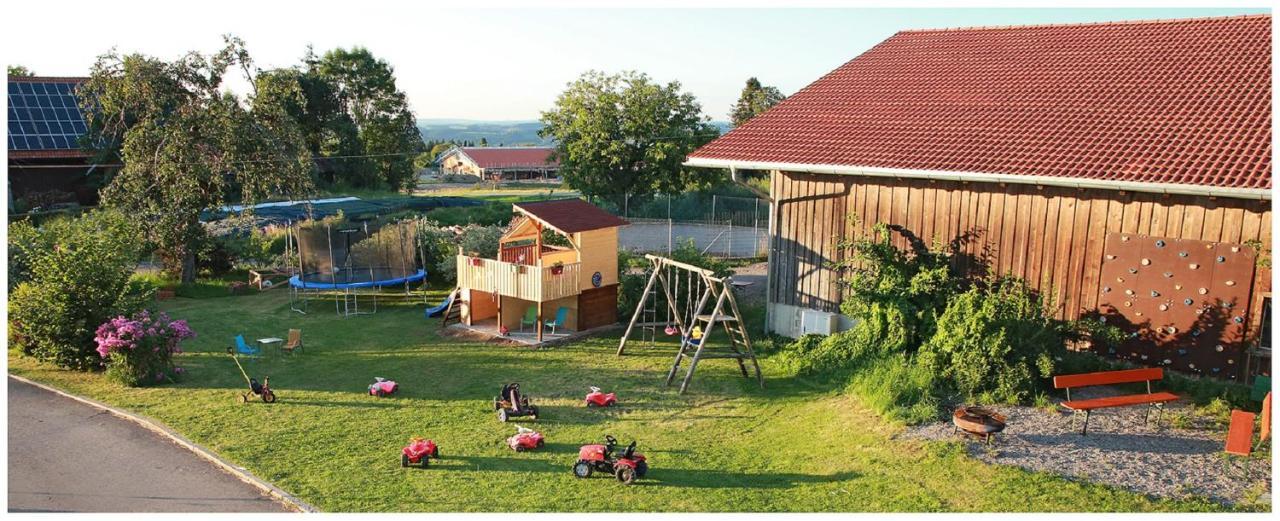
<point x="1085" y="430"/>
<point x="1159" y="414"/>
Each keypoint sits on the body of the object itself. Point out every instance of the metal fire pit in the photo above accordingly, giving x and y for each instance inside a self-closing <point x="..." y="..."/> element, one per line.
<point x="978" y="421"/>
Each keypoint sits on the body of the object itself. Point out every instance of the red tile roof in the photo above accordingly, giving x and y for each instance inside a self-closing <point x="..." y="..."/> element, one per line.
<point x="511" y="157"/>
<point x="1184" y="102"/>
<point x="570" y="215"/>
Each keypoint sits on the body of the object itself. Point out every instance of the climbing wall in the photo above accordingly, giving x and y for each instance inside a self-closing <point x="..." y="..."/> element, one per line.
<point x="1183" y="304"/>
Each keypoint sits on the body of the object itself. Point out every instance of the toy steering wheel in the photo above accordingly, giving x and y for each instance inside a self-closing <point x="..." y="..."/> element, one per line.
<point x="610" y="440"/>
<point x="631" y="449"/>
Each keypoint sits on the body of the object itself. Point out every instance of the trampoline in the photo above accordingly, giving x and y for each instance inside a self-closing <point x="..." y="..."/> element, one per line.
<point x="353" y="261"/>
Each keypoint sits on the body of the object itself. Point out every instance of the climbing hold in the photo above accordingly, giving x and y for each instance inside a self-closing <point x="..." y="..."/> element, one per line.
<point x="1168" y="274"/>
<point x="1202" y="291"/>
<point x="1164" y="307"/>
<point x="1195" y="332"/>
<point x="1166" y="361"/>
<point x="1216" y="369"/>
<point x="1128" y="304"/>
<point x="1119" y="279"/>
<point x="1133" y="270"/>
<point x="1155" y="293"/>
<point x="1231" y="361"/>
<point x="1144" y="357"/>
<point x="1106" y="289"/>
<point x="1146" y="262"/>
<point x="1172" y="330"/>
<point x="1192" y="366"/>
<point x="1138" y="313"/>
<point x="1218" y="348"/>
<point x="1159" y="243"/>
<point x="1235" y="249"/>
<point x="1128" y="292"/>
<point x="1182" y="352"/>
<point x="1177" y="286"/>
<point x="1222" y="259"/>
<point x="1231" y="283"/>
<point x="1183" y="254"/>
<point x="1124" y="238"/>
<point x="1187" y="301"/>
<point x="1238" y="320"/>
<point x="1102" y="320"/>
<point x="1193" y="266"/>
<point x="1111" y="257"/>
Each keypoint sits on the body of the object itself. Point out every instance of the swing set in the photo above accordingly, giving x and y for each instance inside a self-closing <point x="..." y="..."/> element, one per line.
<point x="688" y="316"/>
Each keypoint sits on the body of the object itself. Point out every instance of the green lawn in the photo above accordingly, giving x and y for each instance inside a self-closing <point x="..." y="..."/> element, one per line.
<point x="724" y="446"/>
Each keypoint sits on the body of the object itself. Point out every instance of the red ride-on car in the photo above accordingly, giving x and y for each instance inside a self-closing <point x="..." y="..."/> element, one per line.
<point x="382" y="387"/>
<point x="418" y="451"/>
<point x="627" y="466"/>
<point x="598" y="399"/>
<point x="525" y="439"/>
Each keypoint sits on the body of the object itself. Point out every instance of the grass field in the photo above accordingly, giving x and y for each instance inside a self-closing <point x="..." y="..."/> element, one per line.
<point x="724" y="446"/>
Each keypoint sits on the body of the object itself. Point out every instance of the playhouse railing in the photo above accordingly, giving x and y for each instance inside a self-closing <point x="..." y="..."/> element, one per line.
<point x="532" y="283"/>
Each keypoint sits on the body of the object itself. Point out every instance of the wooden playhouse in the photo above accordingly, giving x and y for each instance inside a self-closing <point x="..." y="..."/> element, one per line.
<point x="531" y="281"/>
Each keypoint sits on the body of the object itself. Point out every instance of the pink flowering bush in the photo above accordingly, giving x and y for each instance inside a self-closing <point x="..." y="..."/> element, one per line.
<point x="139" y="350"/>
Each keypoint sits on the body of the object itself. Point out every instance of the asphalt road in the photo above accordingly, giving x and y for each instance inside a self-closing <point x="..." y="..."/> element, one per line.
<point x="65" y="456"/>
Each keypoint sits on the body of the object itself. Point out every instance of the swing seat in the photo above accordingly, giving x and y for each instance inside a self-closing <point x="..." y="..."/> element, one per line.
<point x="671" y="330"/>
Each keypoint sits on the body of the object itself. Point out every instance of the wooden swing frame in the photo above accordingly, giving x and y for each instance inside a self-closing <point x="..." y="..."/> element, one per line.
<point x="725" y="312"/>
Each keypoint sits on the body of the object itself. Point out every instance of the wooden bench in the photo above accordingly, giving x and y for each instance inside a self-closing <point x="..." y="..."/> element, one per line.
<point x="1152" y="400"/>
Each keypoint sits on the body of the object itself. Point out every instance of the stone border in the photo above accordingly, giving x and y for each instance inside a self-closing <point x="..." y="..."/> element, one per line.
<point x="239" y="472"/>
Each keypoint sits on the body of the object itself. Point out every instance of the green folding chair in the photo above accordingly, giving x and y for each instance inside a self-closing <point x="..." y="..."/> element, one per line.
<point x="530" y="317"/>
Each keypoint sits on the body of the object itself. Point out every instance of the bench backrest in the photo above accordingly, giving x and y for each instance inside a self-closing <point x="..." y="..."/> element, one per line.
<point x="1125" y="376"/>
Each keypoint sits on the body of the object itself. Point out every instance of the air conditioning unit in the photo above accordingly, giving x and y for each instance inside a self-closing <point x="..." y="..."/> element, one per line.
<point x="814" y="322"/>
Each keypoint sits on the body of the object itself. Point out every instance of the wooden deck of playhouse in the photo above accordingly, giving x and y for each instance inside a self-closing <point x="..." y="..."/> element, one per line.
<point x="528" y="274"/>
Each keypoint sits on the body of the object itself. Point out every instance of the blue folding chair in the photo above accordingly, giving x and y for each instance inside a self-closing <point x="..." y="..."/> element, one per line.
<point x="243" y="348"/>
<point x="561" y="315"/>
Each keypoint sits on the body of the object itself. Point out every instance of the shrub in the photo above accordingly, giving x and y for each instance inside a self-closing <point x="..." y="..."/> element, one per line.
<point x="79" y="271"/>
<point x="25" y="242"/>
<point x="139" y="350"/>
<point x="996" y="339"/>
<point x="631" y="285"/>
<point x="440" y="245"/>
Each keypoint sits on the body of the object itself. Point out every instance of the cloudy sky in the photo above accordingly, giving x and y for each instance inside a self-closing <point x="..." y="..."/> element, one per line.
<point x="505" y="63"/>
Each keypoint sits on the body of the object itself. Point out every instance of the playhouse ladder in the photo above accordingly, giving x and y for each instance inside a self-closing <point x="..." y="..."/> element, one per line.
<point x="454" y="311"/>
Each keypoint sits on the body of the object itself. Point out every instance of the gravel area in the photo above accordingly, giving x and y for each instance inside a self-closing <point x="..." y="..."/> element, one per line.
<point x="1120" y="451"/>
<point x="755" y="274"/>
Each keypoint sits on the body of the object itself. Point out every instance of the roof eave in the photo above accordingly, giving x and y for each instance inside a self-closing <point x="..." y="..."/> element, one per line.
<point x="940" y="175"/>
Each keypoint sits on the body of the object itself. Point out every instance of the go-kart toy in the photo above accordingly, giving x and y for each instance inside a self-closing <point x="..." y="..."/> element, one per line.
<point x="382" y="387"/>
<point x="598" y="399"/>
<point x="260" y="389"/>
<point x="626" y="466"/>
<point x="418" y="451"/>
<point x="511" y="404"/>
<point x="525" y="439"/>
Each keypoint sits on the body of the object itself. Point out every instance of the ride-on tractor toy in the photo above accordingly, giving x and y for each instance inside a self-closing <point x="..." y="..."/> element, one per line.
<point x="512" y="404"/>
<point x="418" y="451"/>
<point x="382" y="387"/>
<point x="627" y="465"/>
<point x="525" y="439"/>
<point x="598" y="399"/>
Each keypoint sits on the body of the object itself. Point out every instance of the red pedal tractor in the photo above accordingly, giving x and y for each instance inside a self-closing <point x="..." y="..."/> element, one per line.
<point x="626" y="466"/>
<point x="418" y="451"/>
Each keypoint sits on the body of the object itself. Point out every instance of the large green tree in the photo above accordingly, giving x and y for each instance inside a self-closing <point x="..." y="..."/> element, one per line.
<point x="331" y="135"/>
<point x="624" y="135"/>
<point x="755" y="99"/>
<point x="365" y="89"/>
<point x="188" y="144"/>
<point x="19" y="70"/>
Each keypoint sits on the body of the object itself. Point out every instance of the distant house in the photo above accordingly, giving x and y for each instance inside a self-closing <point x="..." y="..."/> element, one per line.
<point x="46" y="164"/>
<point x="500" y="163"/>
<point x="1123" y="169"/>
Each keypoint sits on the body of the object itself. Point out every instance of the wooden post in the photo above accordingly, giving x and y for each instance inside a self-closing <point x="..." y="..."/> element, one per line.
<point x="539" y="321"/>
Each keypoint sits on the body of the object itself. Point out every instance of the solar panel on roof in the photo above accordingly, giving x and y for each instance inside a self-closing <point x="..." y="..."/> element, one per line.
<point x="44" y="116"/>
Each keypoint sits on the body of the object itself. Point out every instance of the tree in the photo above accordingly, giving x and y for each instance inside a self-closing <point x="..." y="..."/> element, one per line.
<point x="365" y="88"/>
<point x="623" y="134"/>
<point x="332" y="137"/>
<point x="484" y="142"/>
<point x="755" y="99"/>
<point x="188" y="145"/>
<point x="20" y="71"/>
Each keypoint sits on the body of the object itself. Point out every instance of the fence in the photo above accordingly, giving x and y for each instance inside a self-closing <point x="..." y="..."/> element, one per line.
<point x="719" y="225"/>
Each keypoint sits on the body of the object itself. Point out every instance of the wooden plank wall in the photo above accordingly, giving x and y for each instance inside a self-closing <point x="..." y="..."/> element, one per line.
<point x="1050" y="236"/>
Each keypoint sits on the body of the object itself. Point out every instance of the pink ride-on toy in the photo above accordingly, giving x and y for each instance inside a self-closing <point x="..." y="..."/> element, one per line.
<point x="383" y="387"/>
<point x="598" y="399"/>
<point x="418" y="451"/>
<point x="525" y="439"/>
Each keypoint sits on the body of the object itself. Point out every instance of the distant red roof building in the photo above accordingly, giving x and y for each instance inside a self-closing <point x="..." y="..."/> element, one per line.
<point x="495" y="162"/>
<point x="1170" y="102"/>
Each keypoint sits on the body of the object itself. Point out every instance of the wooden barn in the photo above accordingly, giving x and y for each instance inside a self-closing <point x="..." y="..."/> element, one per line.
<point x="501" y="163"/>
<point x="1123" y="169"/>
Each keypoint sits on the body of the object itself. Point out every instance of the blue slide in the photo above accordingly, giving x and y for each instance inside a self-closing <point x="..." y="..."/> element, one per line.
<point x="436" y="311"/>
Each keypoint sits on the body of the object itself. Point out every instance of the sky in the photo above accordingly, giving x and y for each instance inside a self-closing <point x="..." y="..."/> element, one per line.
<point x="509" y="63"/>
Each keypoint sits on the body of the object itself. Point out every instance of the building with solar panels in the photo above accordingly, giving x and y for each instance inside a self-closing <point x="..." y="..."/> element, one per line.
<point x="46" y="163"/>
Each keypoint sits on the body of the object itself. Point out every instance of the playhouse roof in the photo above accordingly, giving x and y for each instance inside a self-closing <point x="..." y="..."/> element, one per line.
<point x="570" y="215"/>
<point x="1183" y="103"/>
<point x="498" y="158"/>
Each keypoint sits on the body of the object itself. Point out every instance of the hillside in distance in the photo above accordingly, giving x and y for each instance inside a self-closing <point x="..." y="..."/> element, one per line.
<point x="507" y="133"/>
